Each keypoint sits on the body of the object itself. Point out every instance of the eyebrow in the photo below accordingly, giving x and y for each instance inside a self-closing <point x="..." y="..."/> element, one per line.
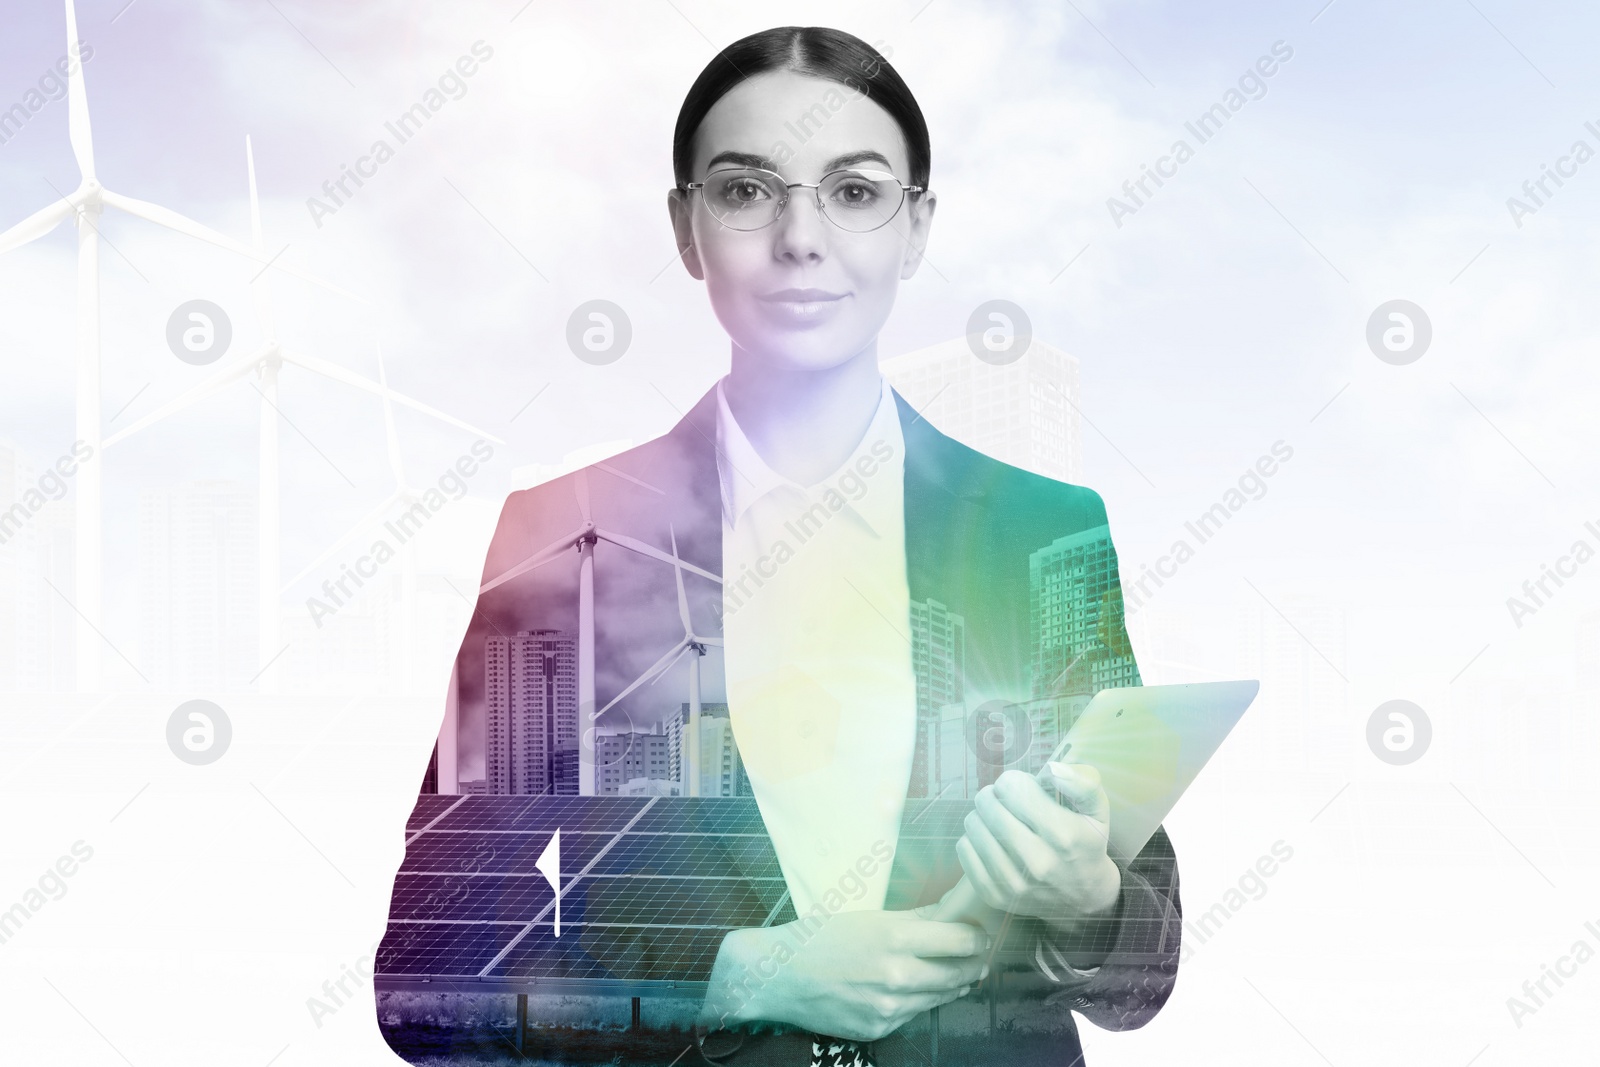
<point x="849" y="159"/>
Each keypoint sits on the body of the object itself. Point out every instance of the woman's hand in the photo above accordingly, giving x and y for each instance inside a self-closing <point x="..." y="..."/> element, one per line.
<point x="859" y="974"/>
<point x="1027" y="854"/>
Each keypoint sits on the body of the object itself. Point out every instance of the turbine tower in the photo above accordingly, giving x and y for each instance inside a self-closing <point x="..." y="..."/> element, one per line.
<point x="691" y="643"/>
<point x="265" y="362"/>
<point x="84" y="205"/>
<point x="584" y="539"/>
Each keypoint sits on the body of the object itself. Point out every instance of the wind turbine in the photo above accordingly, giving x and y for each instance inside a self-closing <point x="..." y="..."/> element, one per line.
<point x="584" y="539"/>
<point x="265" y="362"/>
<point x="691" y="643"/>
<point x="405" y="495"/>
<point x="84" y="206"/>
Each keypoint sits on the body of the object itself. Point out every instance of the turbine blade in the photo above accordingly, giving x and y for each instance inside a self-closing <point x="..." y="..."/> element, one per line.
<point x="35" y="226"/>
<point x="77" y="101"/>
<point x="630" y="478"/>
<point x="173" y="221"/>
<point x="538" y="559"/>
<point x="677" y="573"/>
<point x="350" y="535"/>
<point x="663" y="672"/>
<point x="709" y="640"/>
<point x="654" y="553"/>
<point x="580" y="488"/>
<point x="650" y="673"/>
<point x="350" y="377"/>
<point x="259" y="290"/>
<point x="214" y="384"/>
<point x="388" y="422"/>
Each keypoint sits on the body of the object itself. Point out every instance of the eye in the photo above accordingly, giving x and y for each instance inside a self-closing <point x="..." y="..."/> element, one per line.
<point x="856" y="191"/>
<point x="742" y="189"/>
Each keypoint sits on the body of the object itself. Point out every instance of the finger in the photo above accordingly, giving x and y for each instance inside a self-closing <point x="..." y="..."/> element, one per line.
<point x="1002" y="867"/>
<point x="1031" y="855"/>
<point x="932" y="939"/>
<point x="988" y="889"/>
<point x="1025" y="799"/>
<point x="942" y="975"/>
<point x="1080" y="785"/>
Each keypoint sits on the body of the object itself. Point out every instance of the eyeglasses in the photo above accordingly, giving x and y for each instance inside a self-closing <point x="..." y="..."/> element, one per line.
<point x="747" y="198"/>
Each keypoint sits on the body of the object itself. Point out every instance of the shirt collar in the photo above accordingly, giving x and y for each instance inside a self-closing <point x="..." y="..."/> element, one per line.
<point x="746" y="477"/>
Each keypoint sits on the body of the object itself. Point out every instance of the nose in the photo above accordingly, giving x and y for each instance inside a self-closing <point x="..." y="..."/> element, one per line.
<point x="801" y="233"/>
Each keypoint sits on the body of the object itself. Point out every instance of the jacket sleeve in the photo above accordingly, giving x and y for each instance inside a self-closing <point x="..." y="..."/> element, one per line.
<point x="1140" y="944"/>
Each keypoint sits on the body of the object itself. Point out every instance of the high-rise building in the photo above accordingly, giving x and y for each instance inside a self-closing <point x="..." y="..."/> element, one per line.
<point x="953" y="763"/>
<point x="1023" y="413"/>
<point x="1297" y="648"/>
<point x="1075" y="605"/>
<point x="1587" y="648"/>
<point x="631" y="755"/>
<point x="939" y="660"/>
<point x="722" y="772"/>
<point x="198" y="588"/>
<point x="34" y="555"/>
<point x="531" y="689"/>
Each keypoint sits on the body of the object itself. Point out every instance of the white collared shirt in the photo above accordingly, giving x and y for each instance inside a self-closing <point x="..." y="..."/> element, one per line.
<point x="816" y="632"/>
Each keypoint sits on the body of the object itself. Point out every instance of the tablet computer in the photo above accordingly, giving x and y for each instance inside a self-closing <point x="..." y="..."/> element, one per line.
<point x="1148" y="743"/>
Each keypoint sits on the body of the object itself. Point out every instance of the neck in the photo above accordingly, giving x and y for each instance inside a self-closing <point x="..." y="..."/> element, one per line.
<point x="804" y="422"/>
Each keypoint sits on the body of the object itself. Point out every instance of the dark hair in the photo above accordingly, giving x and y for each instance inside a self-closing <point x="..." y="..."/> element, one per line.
<point x="814" y="50"/>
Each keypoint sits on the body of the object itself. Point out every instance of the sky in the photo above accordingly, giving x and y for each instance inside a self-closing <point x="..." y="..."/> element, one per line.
<point x="1227" y="312"/>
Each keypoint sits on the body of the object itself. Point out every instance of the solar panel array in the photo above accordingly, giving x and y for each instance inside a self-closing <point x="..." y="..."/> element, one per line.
<point x="650" y="886"/>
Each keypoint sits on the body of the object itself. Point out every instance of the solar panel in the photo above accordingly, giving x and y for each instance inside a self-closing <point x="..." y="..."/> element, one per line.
<point x="505" y="853"/>
<point x="470" y="898"/>
<point x="615" y="954"/>
<point x="689" y="856"/>
<point x="650" y="886"/>
<point x="462" y="949"/>
<point x="429" y="806"/>
<point x="703" y="815"/>
<point x="522" y="814"/>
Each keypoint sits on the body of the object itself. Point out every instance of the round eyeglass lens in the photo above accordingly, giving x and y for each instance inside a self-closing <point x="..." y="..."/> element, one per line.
<point x="860" y="200"/>
<point x="743" y="199"/>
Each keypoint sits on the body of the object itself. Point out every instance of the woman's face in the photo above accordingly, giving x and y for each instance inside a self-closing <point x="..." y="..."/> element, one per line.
<point x="801" y="291"/>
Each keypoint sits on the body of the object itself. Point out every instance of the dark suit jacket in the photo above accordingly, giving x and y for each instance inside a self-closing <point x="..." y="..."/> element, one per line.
<point x="971" y="524"/>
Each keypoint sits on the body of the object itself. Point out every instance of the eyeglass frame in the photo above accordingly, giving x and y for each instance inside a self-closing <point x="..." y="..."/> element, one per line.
<point x="906" y="193"/>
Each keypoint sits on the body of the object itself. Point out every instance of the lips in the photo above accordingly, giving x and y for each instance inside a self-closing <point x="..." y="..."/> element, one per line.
<point x="802" y="296"/>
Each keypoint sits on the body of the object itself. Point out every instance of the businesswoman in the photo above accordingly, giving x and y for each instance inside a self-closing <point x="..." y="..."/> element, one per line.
<point x="833" y="513"/>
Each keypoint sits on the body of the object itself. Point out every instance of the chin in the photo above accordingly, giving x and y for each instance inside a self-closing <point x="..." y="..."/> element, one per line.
<point x="804" y="351"/>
